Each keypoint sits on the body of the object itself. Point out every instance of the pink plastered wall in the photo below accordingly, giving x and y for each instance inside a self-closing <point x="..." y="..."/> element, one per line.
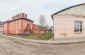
<point x="64" y="26"/>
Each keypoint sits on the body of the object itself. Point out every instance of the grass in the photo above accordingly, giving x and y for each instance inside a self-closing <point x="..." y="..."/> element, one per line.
<point x="46" y="36"/>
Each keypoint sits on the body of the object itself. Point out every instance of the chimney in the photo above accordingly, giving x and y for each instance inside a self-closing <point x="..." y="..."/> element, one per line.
<point x="12" y="17"/>
<point x="17" y="15"/>
<point x="22" y="15"/>
<point x="26" y="15"/>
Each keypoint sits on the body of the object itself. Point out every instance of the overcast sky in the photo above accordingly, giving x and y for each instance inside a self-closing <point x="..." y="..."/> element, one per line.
<point x="34" y="8"/>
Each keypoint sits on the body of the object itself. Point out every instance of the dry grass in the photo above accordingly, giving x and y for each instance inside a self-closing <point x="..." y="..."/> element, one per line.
<point x="46" y="36"/>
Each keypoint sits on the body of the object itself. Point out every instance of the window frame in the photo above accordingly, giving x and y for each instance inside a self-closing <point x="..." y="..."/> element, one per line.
<point x="78" y="27"/>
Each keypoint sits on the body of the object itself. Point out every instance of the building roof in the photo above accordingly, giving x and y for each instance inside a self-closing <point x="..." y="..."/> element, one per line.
<point x="36" y="26"/>
<point x="10" y="20"/>
<point x="19" y="16"/>
<point x="1" y="23"/>
<point x="73" y="10"/>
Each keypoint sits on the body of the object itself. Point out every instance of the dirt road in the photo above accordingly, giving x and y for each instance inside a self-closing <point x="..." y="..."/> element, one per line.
<point x="10" y="47"/>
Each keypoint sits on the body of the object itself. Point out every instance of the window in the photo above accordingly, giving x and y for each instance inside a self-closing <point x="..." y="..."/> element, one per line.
<point x="78" y="26"/>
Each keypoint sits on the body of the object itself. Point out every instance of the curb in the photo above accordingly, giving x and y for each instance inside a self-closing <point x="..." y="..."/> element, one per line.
<point x="58" y="41"/>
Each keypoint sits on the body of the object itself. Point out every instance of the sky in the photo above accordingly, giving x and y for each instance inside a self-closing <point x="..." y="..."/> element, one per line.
<point x="34" y="8"/>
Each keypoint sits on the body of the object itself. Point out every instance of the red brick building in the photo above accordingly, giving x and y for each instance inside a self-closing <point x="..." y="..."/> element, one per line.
<point x="20" y="24"/>
<point x="36" y="28"/>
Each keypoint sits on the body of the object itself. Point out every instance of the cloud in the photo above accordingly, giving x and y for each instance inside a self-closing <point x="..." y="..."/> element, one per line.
<point x="34" y="8"/>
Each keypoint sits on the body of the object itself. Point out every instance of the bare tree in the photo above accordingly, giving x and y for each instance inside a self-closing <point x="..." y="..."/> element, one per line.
<point x="42" y="22"/>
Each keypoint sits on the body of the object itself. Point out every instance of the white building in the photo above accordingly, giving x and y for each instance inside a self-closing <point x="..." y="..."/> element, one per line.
<point x="1" y="27"/>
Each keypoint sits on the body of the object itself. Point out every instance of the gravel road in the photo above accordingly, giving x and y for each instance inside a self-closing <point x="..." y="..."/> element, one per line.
<point x="10" y="47"/>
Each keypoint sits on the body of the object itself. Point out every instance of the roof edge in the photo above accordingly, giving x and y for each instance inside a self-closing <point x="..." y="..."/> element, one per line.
<point x="18" y="19"/>
<point x="66" y="9"/>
